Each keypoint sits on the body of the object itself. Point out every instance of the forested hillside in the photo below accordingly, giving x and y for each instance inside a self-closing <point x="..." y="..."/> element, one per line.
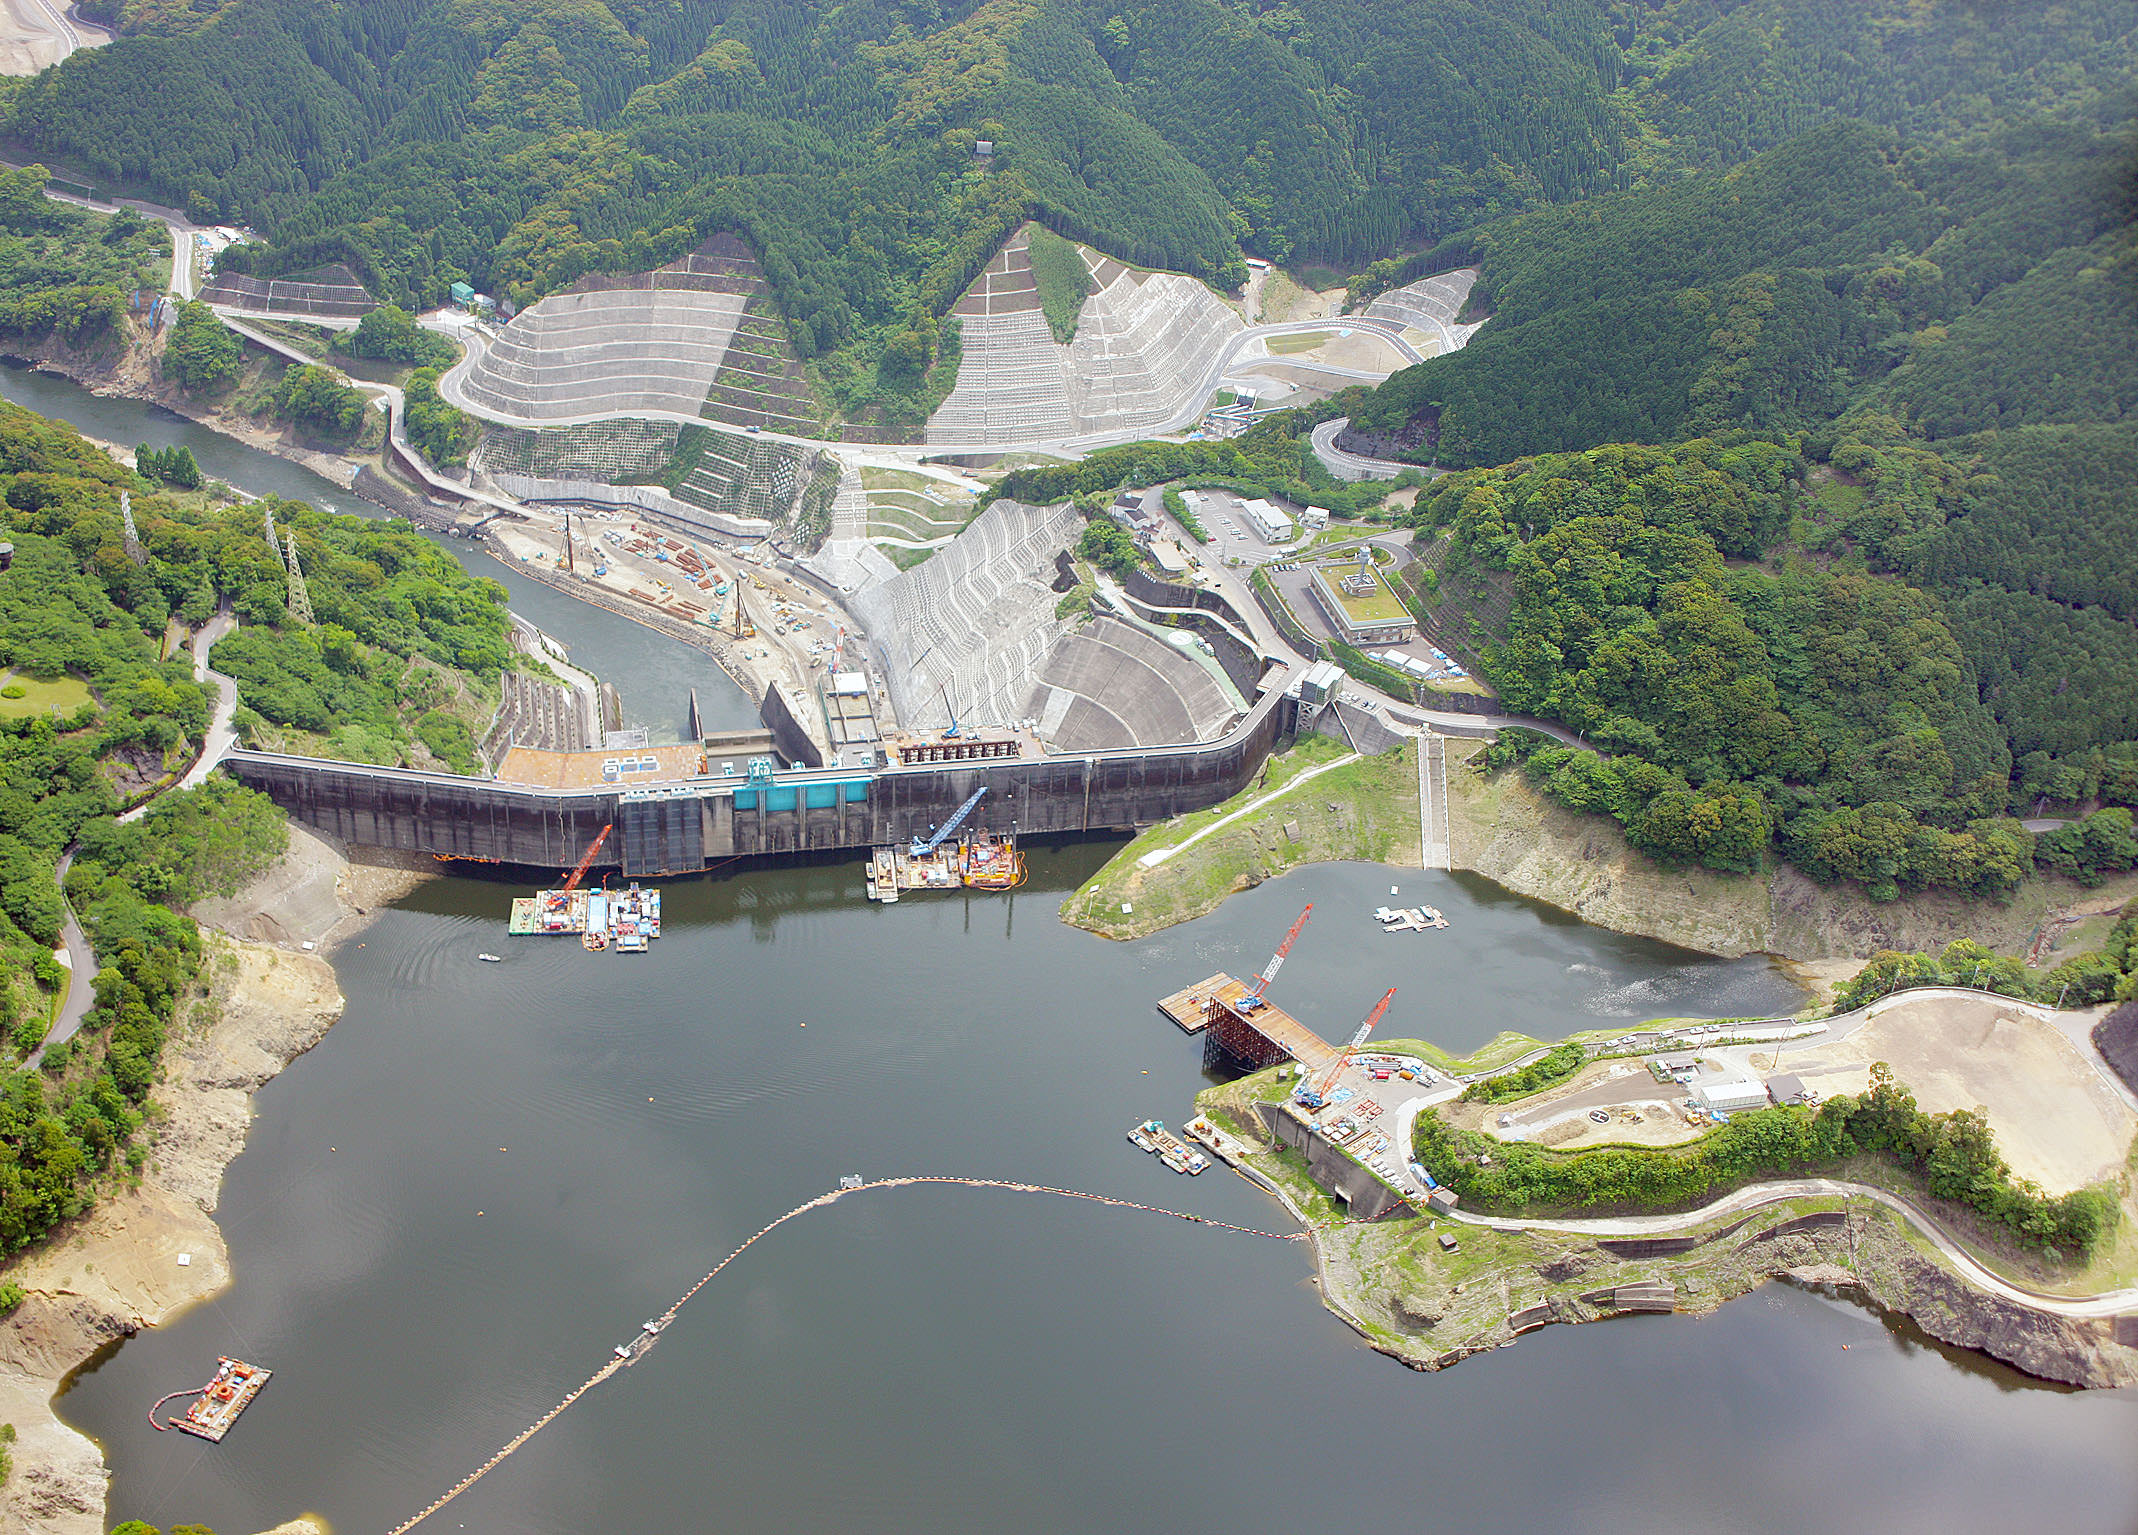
<point x="520" y="146"/>
<point x="1929" y="341"/>
<point x="1972" y="288"/>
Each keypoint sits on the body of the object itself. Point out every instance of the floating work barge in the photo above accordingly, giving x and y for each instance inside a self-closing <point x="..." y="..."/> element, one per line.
<point x="548" y="911"/>
<point x="1169" y="1148"/>
<point x="979" y="863"/>
<point x="627" y="918"/>
<point x="216" y="1405"/>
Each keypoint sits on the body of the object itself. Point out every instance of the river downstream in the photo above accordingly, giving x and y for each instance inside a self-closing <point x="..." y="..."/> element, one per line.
<point x="486" y="1175"/>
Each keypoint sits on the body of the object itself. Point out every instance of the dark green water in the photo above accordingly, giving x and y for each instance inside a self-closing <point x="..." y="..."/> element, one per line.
<point x="965" y="1361"/>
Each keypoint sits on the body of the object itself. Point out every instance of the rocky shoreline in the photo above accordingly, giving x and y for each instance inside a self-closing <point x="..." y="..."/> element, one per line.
<point x="271" y="996"/>
<point x="1430" y="1307"/>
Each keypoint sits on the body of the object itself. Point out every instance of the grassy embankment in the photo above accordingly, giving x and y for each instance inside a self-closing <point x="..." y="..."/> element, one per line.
<point x="23" y="696"/>
<point x="1063" y="281"/>
<point x="1365" y="810"/>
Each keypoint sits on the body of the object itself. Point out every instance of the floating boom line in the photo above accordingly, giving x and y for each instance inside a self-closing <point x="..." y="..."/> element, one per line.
<point x="613" y="1365"/>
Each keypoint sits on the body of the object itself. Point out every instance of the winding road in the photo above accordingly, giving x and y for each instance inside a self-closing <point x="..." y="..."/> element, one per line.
<point x="81" y="959"/>
<point x="1356" y="466"/>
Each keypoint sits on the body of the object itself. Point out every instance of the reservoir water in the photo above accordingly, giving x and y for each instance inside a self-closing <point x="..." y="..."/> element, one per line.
<point x="486" y="1175"/>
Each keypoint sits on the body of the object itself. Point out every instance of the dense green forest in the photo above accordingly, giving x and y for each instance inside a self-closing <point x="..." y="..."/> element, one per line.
<point x="1975" y="288"/>
<point x="66" y="271"/>
<point x="519" y="147"/>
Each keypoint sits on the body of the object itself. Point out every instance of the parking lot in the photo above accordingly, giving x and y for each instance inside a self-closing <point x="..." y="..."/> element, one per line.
<point x="1234" y="539"/>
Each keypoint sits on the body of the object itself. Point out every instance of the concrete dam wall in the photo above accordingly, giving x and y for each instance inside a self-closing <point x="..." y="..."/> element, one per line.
<point x="689" y="825"/>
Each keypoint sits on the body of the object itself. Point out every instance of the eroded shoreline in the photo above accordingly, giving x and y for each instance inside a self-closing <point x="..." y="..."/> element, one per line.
<point x="117" y="1269"/>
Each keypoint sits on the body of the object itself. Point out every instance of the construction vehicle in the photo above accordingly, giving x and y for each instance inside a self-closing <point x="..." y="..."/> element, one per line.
<point x="1252" y="999"/>
<point x="586" y="860"/>
<point x="1314" y="1094"/>
<point x="922" y="848"/>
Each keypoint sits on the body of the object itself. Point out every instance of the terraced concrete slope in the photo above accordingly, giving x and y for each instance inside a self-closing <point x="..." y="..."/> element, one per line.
<point x="966" y="632"/>
<point x="1110" y="684"/>
<point x="972" y="634"/>
<point x="1426" y="310"/>
<point x="695" y="337"/>
<point x="1141" y="355"/>
<point x="332" y="296"/>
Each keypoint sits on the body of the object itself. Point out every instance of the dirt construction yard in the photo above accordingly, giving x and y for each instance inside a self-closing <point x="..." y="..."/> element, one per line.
<point x="2056" y="1121"/>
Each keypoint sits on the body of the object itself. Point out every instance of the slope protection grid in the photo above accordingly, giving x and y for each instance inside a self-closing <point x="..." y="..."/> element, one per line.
<point x="1144" y="343"/>
<point x="1429" y="307"/>
<point x="964" y="633"/>
<point x="332" y="296"/>
<point x="650" y="341"/>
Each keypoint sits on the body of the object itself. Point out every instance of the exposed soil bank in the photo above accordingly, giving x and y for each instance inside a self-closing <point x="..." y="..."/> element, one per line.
<point x="1503" y="829"/>
<point x="116" y="1269"/>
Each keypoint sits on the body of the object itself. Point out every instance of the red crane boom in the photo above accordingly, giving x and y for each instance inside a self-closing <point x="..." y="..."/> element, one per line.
<point x="586" y="859"/>
<point x="1269" y="971"/>
<point x="1372" y="1022"/>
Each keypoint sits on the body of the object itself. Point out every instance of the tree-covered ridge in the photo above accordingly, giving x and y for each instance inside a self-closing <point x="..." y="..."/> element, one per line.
<point x="520" y="146"/>
<point x="1821" y="711"/>
<point x="71" y="609"/>
<point x="1780" y="293"/>
<point x="1717" y="81"/>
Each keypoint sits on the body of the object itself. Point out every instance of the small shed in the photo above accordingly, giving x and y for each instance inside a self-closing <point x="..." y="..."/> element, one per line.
<point x="1788" y="1087"/>
<point x="463" y="294"/>
<point x="7" y="555"/>
<point x="1443" y="1199"/>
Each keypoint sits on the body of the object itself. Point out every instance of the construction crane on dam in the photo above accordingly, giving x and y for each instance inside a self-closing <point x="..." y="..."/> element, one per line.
<point x="586" y="860"/>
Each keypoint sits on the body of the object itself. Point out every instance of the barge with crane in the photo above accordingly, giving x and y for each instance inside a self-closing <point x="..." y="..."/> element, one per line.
<point x="947" y="860"/>
<point x="628" y="918"/>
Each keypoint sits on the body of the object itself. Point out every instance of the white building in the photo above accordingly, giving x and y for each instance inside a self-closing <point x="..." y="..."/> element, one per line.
<point x="1272" y="524"/>
<point x="1314" y="519"/>
<point x="1729" y="1095"/>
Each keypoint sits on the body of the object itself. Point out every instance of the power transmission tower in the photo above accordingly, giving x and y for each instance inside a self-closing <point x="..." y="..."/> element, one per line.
<point x="300" y="600"/>
<point x="274" y="540"/>
<point x="135" y="549"/>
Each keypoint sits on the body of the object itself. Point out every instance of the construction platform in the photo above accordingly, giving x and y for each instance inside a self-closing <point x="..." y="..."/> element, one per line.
<point x="216" y="1410"/>
<point x="977" y="863"/>
<point x="1255" y="1036"/>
